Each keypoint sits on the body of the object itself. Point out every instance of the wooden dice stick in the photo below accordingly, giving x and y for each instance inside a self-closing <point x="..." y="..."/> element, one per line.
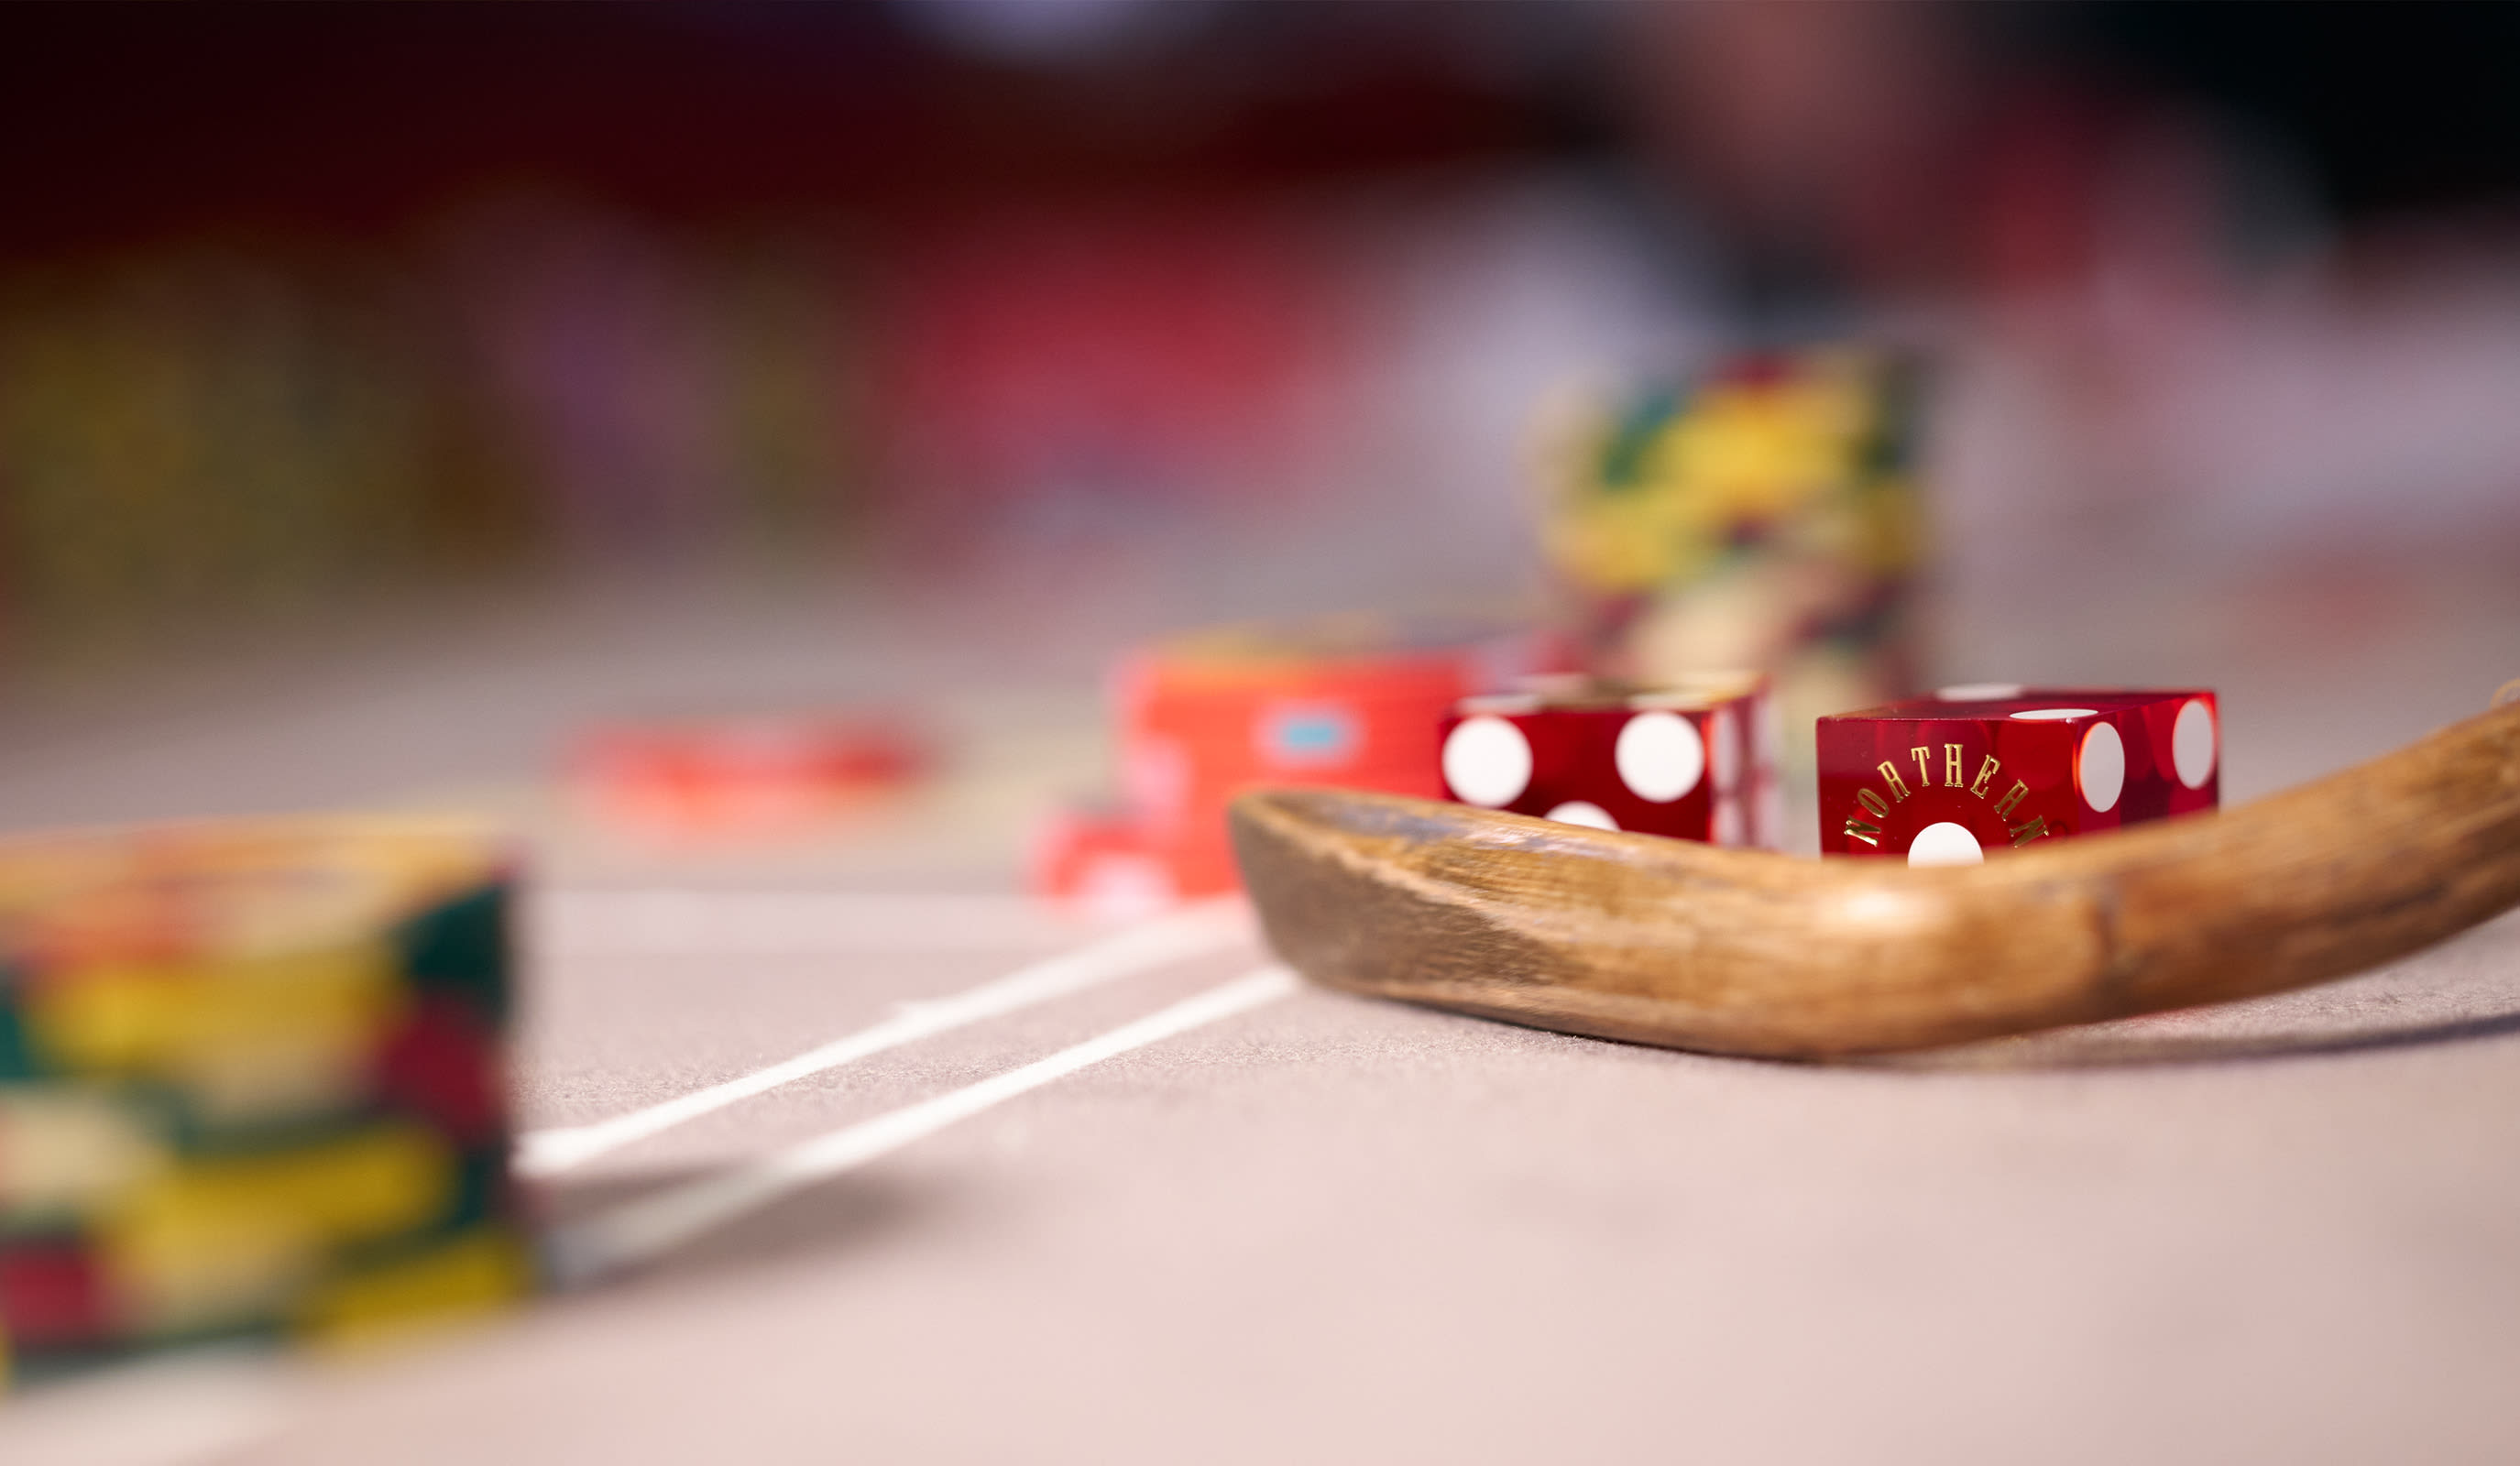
<point x="1744" y="952"/>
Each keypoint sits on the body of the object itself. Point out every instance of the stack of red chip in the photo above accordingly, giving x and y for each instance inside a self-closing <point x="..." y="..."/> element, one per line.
<point x="1349" y="702"/>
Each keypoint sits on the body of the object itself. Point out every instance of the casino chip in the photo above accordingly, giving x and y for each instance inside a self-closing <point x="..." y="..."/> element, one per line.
<point x="718" y="779"/>
<point x="1349" y="701"/>
<point x="250" y="1085"/>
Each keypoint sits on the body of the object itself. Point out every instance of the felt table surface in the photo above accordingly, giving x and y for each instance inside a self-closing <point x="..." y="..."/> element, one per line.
<point x="1326" y="1228"/>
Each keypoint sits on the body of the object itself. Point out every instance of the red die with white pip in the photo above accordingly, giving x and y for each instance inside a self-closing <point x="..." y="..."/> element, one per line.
<point x="1694" y="760"/>
<point x="1942" y="779"/>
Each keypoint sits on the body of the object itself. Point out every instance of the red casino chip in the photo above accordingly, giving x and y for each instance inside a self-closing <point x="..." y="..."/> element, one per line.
<point x="1352" y="702"/>
<point x="743" y="775"/>
<point x="1101" y="863"/>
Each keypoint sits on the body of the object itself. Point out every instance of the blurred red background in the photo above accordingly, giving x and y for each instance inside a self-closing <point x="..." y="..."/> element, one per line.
<point x="1063" y="322"/>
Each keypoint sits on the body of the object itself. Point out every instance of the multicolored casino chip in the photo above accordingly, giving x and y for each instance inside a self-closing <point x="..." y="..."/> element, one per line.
<point x="251" y="1083"/>
<point x="1764" y="516"/>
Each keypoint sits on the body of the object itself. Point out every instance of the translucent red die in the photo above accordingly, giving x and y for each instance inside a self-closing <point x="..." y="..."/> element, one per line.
<point x="1943" y="780"/>
<point x="1694" y="759"/>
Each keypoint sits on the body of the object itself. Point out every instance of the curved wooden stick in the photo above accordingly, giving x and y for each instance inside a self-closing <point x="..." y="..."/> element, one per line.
<point x="1744" y="952"/>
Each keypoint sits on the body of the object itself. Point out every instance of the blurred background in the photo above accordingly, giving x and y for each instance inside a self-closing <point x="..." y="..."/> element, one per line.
<point x="383" y="390"/>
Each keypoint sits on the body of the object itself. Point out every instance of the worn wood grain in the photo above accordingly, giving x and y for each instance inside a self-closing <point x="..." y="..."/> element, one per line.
<point x="1744" y="952"/>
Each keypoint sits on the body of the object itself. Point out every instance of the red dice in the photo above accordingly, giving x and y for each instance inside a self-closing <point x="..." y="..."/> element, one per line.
<point x="1694" y="760"/>
<point x="1942" y="779"/>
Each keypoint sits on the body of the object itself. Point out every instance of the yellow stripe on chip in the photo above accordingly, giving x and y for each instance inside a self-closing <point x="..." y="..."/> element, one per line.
<point x="468" y="1274"/>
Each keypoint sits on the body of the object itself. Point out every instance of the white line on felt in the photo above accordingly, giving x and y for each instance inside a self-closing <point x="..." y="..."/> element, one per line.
<point x="1186" y="933"/>
<point x="787" y="922"/>
<point x="641" y="1230"/>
